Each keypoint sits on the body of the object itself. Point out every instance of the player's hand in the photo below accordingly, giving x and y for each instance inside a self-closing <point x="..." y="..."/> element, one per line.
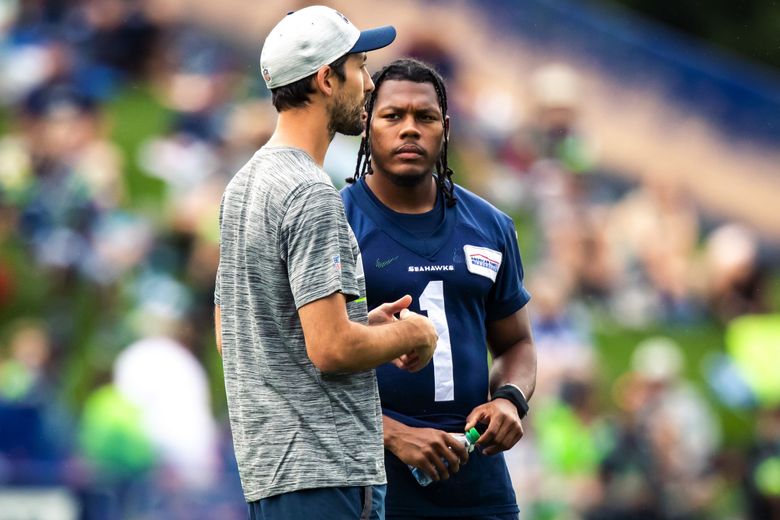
<point x="427" y="448"/>
<point x="385" y="313"/>
<point x="419" y="356"/>
<point x="504" y="425"/>
<point x="408" y="362"/>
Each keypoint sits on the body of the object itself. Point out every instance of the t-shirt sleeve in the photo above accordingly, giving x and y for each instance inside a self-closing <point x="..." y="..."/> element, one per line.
<point x="217" y="282"/>
<point x="508" y="295"/>
<point x="315" y="244"/>
<point x="216" y="289"/>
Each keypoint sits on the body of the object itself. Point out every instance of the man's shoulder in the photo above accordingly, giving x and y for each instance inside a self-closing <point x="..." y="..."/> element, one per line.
<point x="281" y="173"/>
<point x="287" y="167"/>
<point x="351" y="195"/>
<point x="349" y="192"/>
<point x="480" y="209"/>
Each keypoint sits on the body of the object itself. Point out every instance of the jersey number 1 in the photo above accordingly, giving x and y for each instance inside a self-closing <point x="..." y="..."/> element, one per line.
<point x="432" y="301"/>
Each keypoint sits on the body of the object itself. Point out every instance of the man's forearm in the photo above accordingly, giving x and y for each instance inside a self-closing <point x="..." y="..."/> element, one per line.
<point x="368" y="347"/>
<point x="515" y="366"/>
<point x="514" y="353"/>
<point x="392" y="429"/>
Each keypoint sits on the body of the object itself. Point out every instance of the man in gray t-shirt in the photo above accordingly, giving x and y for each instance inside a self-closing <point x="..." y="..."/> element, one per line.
<point x="290" y="314"/>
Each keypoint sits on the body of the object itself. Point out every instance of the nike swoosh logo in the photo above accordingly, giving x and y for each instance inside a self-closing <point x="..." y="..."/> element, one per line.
<point x="381" y="264"/>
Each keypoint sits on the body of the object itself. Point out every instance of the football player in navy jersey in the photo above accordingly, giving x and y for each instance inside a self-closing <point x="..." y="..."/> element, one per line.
<point x="457" y="256"/>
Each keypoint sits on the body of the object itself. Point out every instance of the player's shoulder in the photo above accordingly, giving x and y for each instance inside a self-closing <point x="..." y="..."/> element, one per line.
<point x="348" y="191"/>
<point x="352" y="191"/>
<point x="359" y="220"/>
<point x="356" y="200"/>
<point x="478" y="210"/>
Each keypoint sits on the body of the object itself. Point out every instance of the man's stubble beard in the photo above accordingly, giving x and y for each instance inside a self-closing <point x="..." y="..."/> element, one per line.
<point x="346" y="118"/>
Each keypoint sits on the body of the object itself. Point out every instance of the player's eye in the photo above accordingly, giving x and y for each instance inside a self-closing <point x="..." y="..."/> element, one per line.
<point x="391" y="116"/>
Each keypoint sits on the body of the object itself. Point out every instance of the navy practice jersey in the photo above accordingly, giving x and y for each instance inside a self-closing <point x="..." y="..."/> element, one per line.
<point x="462" y="267"/>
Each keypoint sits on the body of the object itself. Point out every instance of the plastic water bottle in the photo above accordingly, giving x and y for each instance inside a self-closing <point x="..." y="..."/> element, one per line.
<point x="469" y="440"/>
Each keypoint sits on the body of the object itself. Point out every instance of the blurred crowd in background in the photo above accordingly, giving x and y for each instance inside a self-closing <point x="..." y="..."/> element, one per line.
<point x="658" y="394"/>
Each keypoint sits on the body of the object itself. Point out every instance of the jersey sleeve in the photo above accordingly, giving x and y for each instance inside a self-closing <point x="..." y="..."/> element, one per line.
<point x="508" y="294"/>
<point x="315" y="244"/>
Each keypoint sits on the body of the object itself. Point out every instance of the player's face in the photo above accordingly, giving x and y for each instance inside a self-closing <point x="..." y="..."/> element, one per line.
<point x="346" y="110"/>
<point x="407" y="131"/>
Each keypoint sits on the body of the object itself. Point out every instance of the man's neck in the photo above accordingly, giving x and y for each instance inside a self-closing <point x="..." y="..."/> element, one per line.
<point x="416" y="199"/>
<point x="303" y="128"/>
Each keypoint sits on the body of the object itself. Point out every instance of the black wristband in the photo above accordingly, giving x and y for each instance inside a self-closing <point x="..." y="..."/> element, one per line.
<point x="515" y="396"/>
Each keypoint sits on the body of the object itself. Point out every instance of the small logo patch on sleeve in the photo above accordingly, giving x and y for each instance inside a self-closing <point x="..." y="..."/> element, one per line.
<point x="359" y="266"/>
<point x="483" y="261"/>
<point x="337" y="262"/>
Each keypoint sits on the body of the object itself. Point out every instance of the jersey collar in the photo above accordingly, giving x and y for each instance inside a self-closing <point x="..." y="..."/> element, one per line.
<point x="382" y="216"/>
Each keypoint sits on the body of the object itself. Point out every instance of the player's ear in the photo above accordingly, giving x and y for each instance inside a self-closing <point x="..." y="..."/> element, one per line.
<point x="446" y="127"/>
<point x="324" y="80"/>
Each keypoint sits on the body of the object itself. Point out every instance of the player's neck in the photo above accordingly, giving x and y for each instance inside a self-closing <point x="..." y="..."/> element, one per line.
<point x="416" y="199"/>
<point x="303" y="128"/>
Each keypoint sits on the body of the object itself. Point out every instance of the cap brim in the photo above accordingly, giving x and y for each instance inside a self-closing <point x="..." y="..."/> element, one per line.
<point x="372" y="39"/>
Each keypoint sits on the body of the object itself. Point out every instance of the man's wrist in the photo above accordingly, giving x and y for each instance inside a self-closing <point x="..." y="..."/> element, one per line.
<point x="519" y="390"/>
<point x="514" y="395"/>
<point x="392" y="431"/>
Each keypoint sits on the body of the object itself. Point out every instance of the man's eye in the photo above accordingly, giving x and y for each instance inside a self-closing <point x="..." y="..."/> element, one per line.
<point x="391" y="116"/>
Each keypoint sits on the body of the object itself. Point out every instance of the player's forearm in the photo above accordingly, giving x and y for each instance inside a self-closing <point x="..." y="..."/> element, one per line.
<point x="393" y="430"/>
<point x="360" y="347"/>
<point x="517" y="366"/>
<point x="514" y="354"/>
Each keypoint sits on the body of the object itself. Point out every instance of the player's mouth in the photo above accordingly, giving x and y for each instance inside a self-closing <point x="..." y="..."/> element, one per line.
<point x="409" y="152"/>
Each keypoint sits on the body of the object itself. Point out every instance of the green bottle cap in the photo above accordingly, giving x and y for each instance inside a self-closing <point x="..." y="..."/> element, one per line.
<point x="472" y="435"/>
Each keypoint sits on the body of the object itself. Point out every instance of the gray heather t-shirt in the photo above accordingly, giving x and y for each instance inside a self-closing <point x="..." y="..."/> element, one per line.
<point x="285" y="242"/>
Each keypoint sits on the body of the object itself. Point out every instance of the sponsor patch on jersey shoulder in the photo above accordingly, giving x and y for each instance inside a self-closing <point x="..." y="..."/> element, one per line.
<point x="483" y="261"/>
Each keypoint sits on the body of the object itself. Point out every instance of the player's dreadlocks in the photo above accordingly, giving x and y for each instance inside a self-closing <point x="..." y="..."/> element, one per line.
<point x="408" y="69"/>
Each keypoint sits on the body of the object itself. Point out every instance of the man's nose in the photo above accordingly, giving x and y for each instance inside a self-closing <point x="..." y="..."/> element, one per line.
<point x="409" y="127"/>
<point x="368" y="83"/>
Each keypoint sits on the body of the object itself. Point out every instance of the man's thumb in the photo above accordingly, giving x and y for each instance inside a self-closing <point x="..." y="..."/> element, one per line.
<point x="400" y="304"/>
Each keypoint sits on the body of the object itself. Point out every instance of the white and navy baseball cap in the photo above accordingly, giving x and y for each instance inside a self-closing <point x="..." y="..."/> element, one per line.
<point x="311" y="38"/>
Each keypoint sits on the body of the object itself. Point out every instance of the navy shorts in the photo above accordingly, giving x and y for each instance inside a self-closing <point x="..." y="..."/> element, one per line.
<point x="340" y="503"/>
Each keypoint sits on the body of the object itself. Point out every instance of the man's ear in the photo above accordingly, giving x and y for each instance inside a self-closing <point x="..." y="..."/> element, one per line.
<point x="447" y="127"/>
<point x="324" y="80"/>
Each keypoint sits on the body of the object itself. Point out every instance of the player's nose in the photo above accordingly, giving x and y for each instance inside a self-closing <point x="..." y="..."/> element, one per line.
<point x="409" y="128"/>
